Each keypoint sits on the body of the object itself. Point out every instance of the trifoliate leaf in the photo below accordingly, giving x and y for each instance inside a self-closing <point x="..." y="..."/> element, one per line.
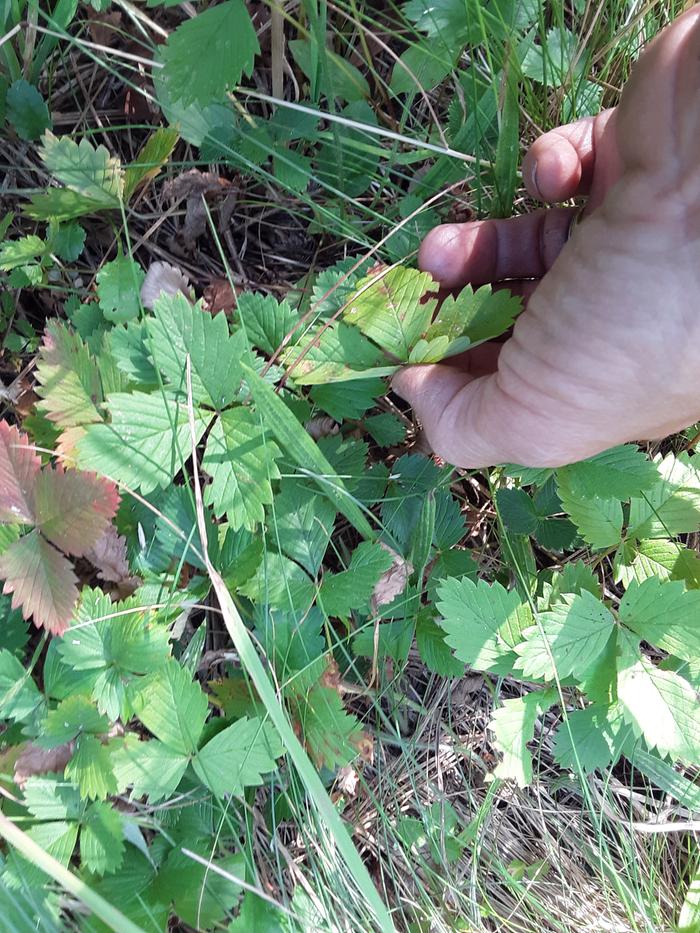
<point x="179" y="329"/>
<point x="660" y="705"/>
<point x="118" y="289"/>
<point x="518" y="511"/>
<point x="618" y="473"/>
<point x="41" y="581"/>
<point x="672" y="505"/>
<point x="73" y="508"/>
<point x="49" y="799"/>
<point x="599" y="521"/>
<point x="177" y="528"/>
<point x="589" y="739"/>
<point x="91" y="768"/>
<point x="238" y="756"/>
<point x="266" y="321"/>
<point x="664" y="614"/>
<point x="146" y="444"/>
<point x="240" y="458"/>
<point x="666" y="560"/>
<point x="68" y="241"/>
<point x="483" y="622"/>
<point x="70" y="384"/>
<point x="434" y="652"/>
<point x="57" y="838"/>
<point x="172" y="706"/>
<point x="513" y="725"/>
<point x="19" y="469"/>
<point x="74" y="716"/>
<point x="88" y="171"/>
<point x="296" y="646"/>
<point x="352" y="588"/>
<point x="17" y="253"/>
<point x="19" y="696"/>
<point x="27" y="110"/>
<point x="333" y="353"/>
<point x="301" y="523"/>
<point x="151" y="769"/>
<point x="279" y="583"/>
<point x="386" y="429"/>
<point x="392" y="311"/>
<point x="101" y="839"/>
<point x="206" y="55"/>
<point x="567" y="638"/>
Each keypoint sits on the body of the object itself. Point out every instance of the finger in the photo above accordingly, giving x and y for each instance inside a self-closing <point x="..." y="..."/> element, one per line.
<point x="560" y="164"/>
<point x="471" y="422"/>
<point x="485" y="251"/>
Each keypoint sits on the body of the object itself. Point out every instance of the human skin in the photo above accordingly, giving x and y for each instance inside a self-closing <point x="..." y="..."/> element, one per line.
<point x="608" y="347"/>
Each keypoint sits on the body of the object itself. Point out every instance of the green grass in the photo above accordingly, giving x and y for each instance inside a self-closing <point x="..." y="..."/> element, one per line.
<point x="564" y="854"/>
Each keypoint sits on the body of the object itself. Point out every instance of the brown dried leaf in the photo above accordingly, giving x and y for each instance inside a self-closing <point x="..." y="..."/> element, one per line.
<point x="109" y="557"/>
<point x="346" y="782"/>
<point x="219" y="296"/>
<point x="103" y="27"/>
<point x="322" y="426"/>
<point x="37" y="760"/>
<point x="393" y="581"/>
<point x="194" y="186"/>
<point x="163" y="278"/>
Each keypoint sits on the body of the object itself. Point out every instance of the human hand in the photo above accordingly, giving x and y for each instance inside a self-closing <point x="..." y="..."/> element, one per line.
<point x="607" y="349"/>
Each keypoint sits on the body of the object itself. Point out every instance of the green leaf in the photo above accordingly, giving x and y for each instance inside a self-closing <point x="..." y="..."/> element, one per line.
<point x="118" y="289"/>
<point x="68" y="241"/>
<point x="302" y="523"/>
<point x="483" y="622"/>
<point x="260" y="915"/>
<point x="266" y="321"/>
<point x="155" y="153"/>
<point x="341" y="77"/>
<point x="206" y="55"/>
<point x="59" y="204"/>
<point x="17" y="253"/>
<point x="666" y="560"/>
<point x="588" y="739"/>
<point x="557" y="60"/>
<point x="102" y="839"/>
<point x="75" y="716"/>
<point x="434" y="652"/>
<point x="618" y="473"/>
<point x="478" y="315"/>
<point x="660" y="705"/>
<point x="330" y="733"/>
<point x="280" y="421"/>
<point x="57" y="838"/>
<point x="19" y="696"/>
<point x="14" y="634"/>
<point x="672" y="505"/>
<point x="238" y="756"/>
<point x="517" y="511"/>
<point x="391" y="312"/>
<point x="146" y="444"/>
<point x="41" y="580"/>
<point x="179" y="329"/>
<point x="279" y="583"/>
<point x="90" y="172"/>
<point x="352" y="588"/>
<point x="241" y="462"/>
<point x="664" y="614"/>
<point x="26" y="110"/>
<point x="421" y="67"/>
<point x="385" y="429"/>
<point x="347" y="400"/>
<point x="333" y="353"/>
<point x="200" y="895"/>
<point x="49" y="799"/>
<point x="393" y="640"/>
<point x="173" y="707"/>
<point x="90" y="768"/>
<point x="151" y="769"/>
<point x="513" y="725"/>
<point x="599" y="521"/>
<point x="567" y="638"/>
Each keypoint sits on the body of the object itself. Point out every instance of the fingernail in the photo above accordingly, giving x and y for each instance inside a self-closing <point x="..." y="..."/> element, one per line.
<point x="533" y="178"/>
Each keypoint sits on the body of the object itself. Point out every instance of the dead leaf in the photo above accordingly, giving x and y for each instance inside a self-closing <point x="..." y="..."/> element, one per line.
<point x="37" y="760"/>
<point x="109" y="557"/>
<point x="393" y="581"/>
<point x="162" y="277"/>
<point x="346" y="781"/>
<point x="219" y="296"/>
<point x="323" y="426"/>
<point x="331" y="676"/>
<point x="194" y="186"/>
<point x="103" y="27"/>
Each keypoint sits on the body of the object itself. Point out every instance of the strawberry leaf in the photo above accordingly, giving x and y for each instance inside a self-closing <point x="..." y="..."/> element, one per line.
<point x="19" y="468"/>
<point x="73" y="508"/>
<point x="41" y="580"/>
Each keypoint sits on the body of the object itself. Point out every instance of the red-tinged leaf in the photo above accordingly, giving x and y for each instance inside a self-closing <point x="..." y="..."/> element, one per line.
<point x="35" y="760"/>
<point x="73" y="508"/>
<point x="19" y="467"/>
<point x="41" y="581"/>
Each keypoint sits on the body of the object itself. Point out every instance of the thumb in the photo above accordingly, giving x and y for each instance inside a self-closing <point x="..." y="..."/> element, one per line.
<point x="472" y="422"/>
